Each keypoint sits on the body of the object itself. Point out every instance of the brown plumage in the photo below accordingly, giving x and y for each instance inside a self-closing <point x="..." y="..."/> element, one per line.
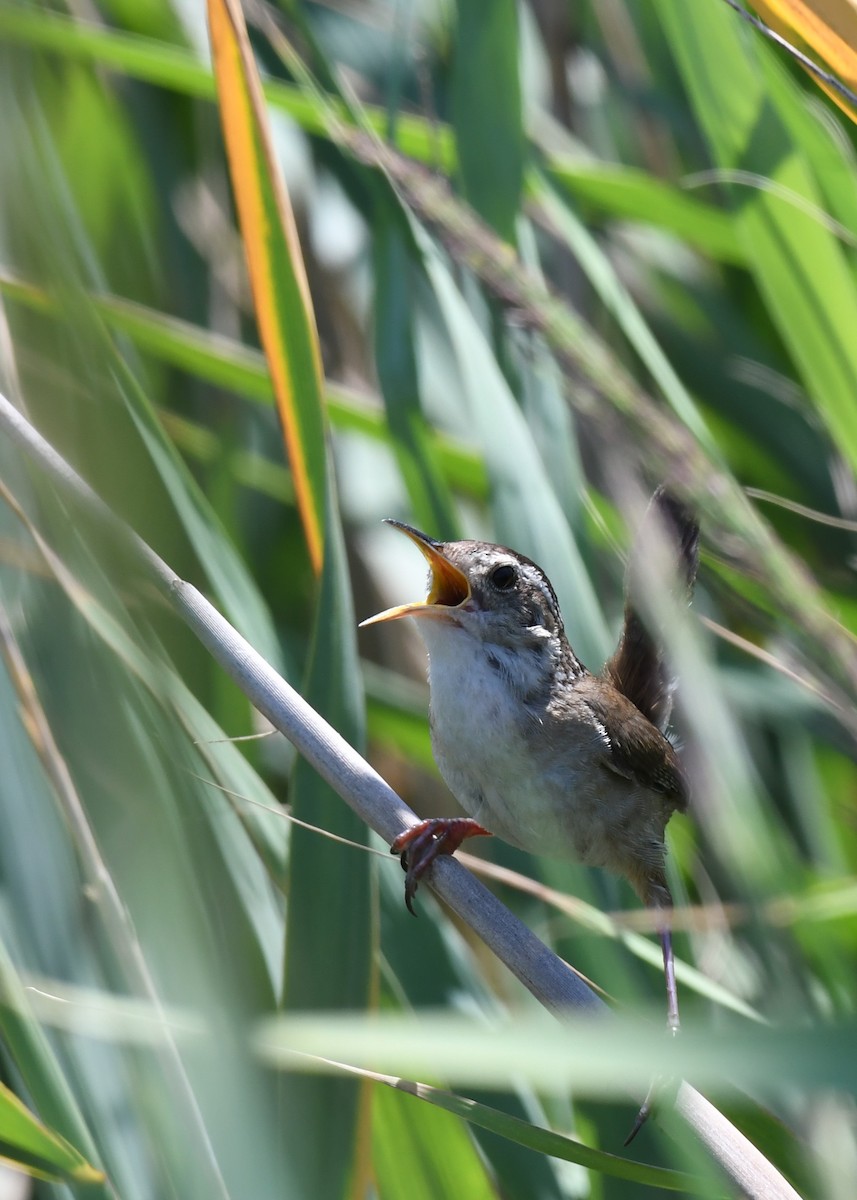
<point x="552" y="758"/>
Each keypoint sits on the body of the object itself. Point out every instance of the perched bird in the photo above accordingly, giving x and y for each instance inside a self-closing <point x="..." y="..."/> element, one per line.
<point x="534" y="747"/>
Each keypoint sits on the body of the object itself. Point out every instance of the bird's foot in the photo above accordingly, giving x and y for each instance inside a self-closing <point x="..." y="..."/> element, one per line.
<point x="420" y="845"/>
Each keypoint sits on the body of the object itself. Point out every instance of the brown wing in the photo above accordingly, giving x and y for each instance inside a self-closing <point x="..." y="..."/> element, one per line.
<point x="638" y="669"/>
<point x="633" y="747"/>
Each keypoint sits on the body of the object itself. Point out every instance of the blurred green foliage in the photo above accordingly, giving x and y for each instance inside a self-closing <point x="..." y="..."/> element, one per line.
<point x="690" y="197"/>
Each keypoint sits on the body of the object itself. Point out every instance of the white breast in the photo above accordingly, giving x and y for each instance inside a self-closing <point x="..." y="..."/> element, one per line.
<point x="500" y="763"/>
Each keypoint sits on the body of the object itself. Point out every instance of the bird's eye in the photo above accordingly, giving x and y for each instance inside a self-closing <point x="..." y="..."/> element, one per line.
<point x="503" y="577"/>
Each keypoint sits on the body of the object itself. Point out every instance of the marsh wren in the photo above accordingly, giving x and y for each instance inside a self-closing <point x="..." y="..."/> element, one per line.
<point x="550" y="757"/>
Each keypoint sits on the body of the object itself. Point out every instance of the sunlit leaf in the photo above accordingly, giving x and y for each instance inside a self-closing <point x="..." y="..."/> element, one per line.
<point x="545" y="1141"/>
<point x="28" y="1143"/>
<point x="799" y="265"/>
<point x="827" y="27"/>
<point x="277" y="275"/>
<point x="405" y="1137"/>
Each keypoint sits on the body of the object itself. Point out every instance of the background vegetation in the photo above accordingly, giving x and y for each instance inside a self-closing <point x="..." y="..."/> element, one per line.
<point x="689" y="196"/>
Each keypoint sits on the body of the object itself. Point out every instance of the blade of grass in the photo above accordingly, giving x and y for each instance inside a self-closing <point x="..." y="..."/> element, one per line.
<point x="526" y="510"/>
<point x="39" y="1147"/>
<point x="489" y="137"/>
<point x="405" y="1142"/>
<point x="799" y="266"/>
<point x="331" y="923"/>
<point x="620" y="304"/>
<point x="170" y="66"/>
<point x="438" y="969"/>
<point x="277" y="275"/>
<point x="395" y="277"/>
<point x="35" y="1061"/>
<point x="592" y="918"/>
<point x="602" y="1057"/>
<point x="102" y="890"/>
<point x="330" y="887"/>
<point x="829" y="28"/>
<point x="545" y="1141"/>
<point x="215" y="551"/>
<point x="231" y="365"/>
<point x="627" y="192"/>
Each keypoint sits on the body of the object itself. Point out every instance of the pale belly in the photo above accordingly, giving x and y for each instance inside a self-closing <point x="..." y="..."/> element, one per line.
<point x="546" y="794"/>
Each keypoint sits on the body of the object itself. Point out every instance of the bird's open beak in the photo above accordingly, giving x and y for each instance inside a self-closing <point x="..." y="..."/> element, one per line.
<point x="449" y="587"/>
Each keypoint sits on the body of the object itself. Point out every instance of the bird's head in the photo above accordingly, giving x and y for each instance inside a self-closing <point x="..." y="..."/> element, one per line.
<point x="493" y="593"/>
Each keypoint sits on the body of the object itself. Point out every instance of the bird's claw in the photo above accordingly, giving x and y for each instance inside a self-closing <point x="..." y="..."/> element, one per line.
<point x="420" y="845"/>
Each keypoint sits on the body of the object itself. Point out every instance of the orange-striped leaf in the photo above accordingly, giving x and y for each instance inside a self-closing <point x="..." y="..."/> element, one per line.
<point x="827" y="29"/>
<point x="329" y="951"/>
<point x="277" y="276"/>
